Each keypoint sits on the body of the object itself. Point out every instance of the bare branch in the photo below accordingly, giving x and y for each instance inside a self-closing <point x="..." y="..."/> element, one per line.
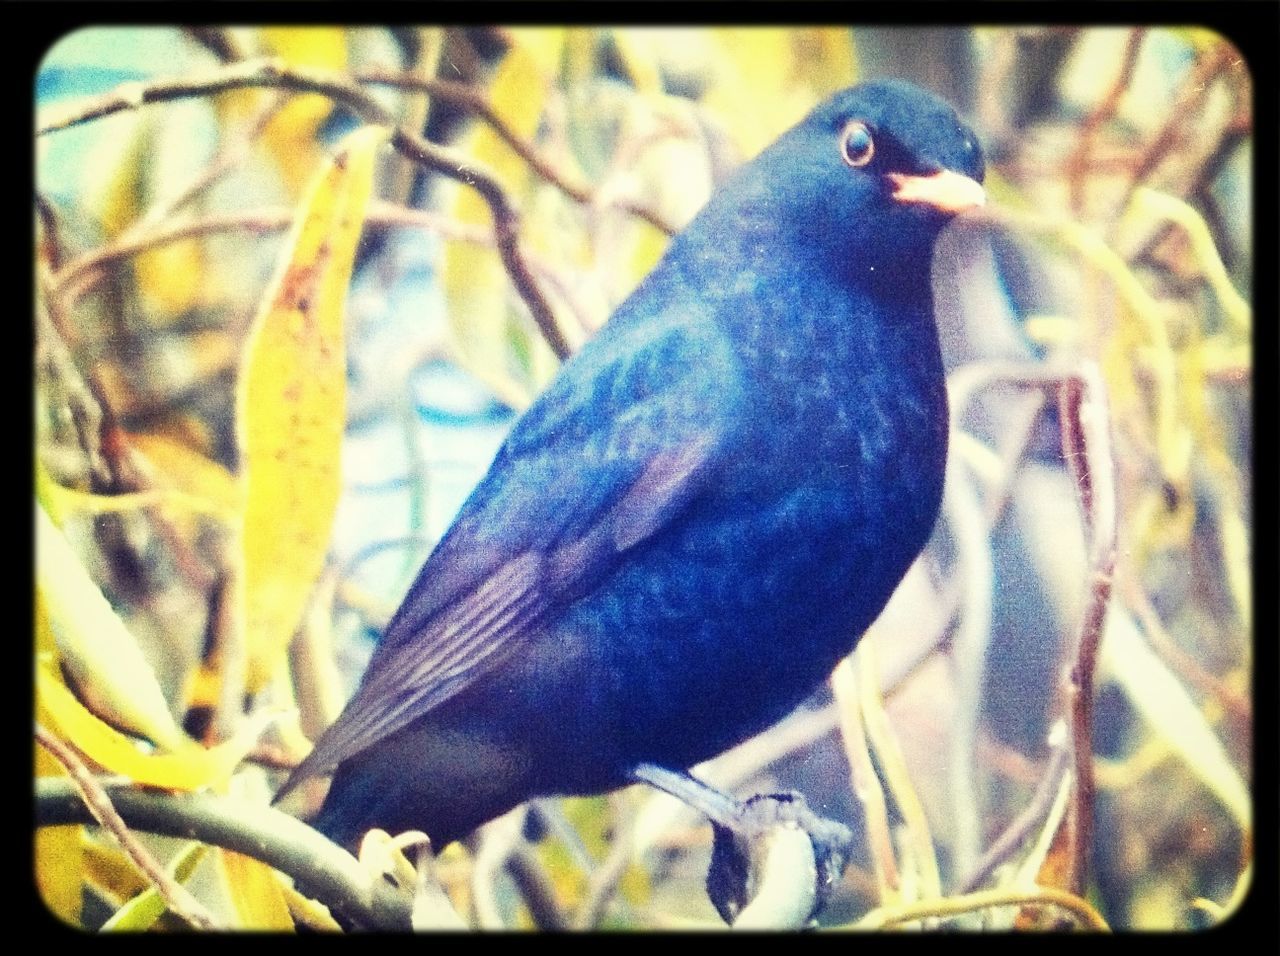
<point x="176" y="896"/>
<point x="472" y="99"/>
<point x="1035" y="812"/>
<point x="1078" y="162"/>
<point x="272" y="73"/>
<point x="1084" y="914"/>
<point x="324" y="870"/>
<point x="1086" y="444"/>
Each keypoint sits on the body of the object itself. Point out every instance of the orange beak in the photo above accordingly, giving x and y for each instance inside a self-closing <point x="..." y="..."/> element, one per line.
<point x="945" y="191"/>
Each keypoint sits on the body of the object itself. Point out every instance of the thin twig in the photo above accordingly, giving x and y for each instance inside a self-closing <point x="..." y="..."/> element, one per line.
<point x="917" y="839"/>
<point x="505" y="226"/>
<point x="1087" y="449"/>
<point x="866" y="785"/>
<point x="227" y="620"/>
<point x="1086" y="445"/>
<point x="536" y="889"/>
<point x="86" y="404"/>
<point x="176" y="896"/>
<point x="226" y="159"/>
<point x="975" y="562"/>
<point x="273" y="73"/>
<point x="470" y="98"/>
<point x="1085" y="914"/>
<point x="49" y="248"/>
<point x="78" y="276"/>
<point x="498" y="841"/>
<point x="1194" y="90"/>
<point x="1022" y="826"/>
<point x="1078" y="162"/>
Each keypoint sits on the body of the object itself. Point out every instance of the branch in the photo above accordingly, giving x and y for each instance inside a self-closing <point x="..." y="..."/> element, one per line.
<point x="329" y="873"/>
<point x="77" y="277"/>
<point x="505" y="225"/>
<point x="97" y="428"/>
<point x="1028" y="820"/>
<point x="96" y="801"/>
<point x="1084" y="914"/>
<point x="1086" y="444"/>
<point x="273" y="74"/>
<point x="472" y="99"/>
<point x="866" y="785"/>
<point x="1078" y="162"/>
<point x="1194" y="90"/>
<point x="603" y="881"/>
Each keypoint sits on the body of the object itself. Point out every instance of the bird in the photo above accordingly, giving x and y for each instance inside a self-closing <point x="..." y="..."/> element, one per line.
<point x="708" y="505"/>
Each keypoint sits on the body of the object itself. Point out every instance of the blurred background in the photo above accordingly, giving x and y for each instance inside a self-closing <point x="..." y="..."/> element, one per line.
<point x="1117" y="237"/>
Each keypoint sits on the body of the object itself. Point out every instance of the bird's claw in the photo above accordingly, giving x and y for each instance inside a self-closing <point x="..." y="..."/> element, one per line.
<point x="740" y="850"/>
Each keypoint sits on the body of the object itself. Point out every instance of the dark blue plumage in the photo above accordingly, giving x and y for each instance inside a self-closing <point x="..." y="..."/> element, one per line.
<point x="705" y="509"/>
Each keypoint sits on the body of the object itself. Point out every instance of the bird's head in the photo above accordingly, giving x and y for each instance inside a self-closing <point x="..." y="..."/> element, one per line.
<point x="906" y="143"/>
<point x="866" y="180"/>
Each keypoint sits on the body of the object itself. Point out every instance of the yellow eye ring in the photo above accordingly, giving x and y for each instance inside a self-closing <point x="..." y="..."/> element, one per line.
<point x="856" y="144"/>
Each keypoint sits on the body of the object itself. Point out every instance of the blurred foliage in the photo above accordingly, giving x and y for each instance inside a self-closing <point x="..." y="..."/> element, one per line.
<point x="1119" y="165"/>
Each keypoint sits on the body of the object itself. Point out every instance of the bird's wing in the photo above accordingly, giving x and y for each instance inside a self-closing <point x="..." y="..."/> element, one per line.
<point x="621" y="443"/>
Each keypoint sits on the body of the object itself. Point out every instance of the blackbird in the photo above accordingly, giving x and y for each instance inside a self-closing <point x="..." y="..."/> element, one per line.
<point x="703" y="512"/>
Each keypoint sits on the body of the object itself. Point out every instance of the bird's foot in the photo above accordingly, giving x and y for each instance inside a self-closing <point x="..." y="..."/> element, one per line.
<point x="776" y="862"/>
<point x="404" y="885"/>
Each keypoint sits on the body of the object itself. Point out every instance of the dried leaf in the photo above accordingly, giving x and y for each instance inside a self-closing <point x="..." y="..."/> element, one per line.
<point x="1169" y="711"/>
<point x="291" y="404"/>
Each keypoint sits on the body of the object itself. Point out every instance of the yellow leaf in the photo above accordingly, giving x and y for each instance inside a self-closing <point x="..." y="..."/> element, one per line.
<point x="60" y="502"/>
<point x="142" y="911"/>
<point x="291" y="403"/>
<point x="544" y="45"/>
<point x="825" y="59"/>
<point x="765" y="79"/>
<point x="634" y="52"/>
<point x="168" y="277"/>
<point x="1162" y="701"/>
<point x="187" y="767"/>
<point x="754" y="94"/>
<point x="95" y="644"/>
<point x="309" y="913"/>
<point x="58" y="857"/>
<point x="255" y="892"/>
<point x="177" y="465"/>
<point x="46" y="646"/>
<point x="290" y="136"/>
<point x="120" y="192"/>
<point x="109" y="870"/>
<point x="203" y="686"/>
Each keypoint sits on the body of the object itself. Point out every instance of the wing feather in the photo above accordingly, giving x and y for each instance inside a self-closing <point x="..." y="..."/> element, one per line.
<point x="547" y="525"/>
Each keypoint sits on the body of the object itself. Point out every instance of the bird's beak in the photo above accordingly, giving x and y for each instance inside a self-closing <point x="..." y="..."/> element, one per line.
<point x="945" y="191"/>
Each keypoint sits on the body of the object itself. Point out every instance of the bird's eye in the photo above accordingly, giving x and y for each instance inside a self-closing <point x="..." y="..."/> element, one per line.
<point x="856" y="145"/>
